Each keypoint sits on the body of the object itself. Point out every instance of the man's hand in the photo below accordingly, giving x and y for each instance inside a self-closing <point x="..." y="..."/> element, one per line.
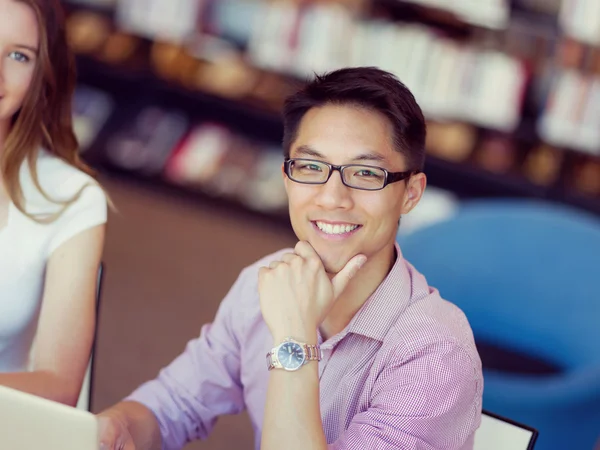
<point x="113" y="433"/>
<point x="296" y="294"/>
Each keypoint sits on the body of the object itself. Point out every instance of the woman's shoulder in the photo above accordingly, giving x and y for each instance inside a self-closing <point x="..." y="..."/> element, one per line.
<point x="61" y="184"/>
<point x="58" y="179"/>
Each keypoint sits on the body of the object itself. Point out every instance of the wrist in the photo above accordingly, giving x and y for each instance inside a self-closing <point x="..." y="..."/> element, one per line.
<point x="115" y="417"/>
<point x="296" y="329"/>
<point x="304" y="336"/>
<point x="291" y="353"/>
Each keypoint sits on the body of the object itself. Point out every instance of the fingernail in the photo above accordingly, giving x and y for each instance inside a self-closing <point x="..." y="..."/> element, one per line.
<point x="362" y="261"/>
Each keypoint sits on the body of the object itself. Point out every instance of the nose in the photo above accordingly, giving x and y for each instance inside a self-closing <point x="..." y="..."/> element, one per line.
<point x="334" y="194"/>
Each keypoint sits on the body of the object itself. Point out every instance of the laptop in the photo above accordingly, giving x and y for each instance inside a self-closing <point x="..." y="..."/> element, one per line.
<point x="499" y="433"/>
<point x="28" y="422"/>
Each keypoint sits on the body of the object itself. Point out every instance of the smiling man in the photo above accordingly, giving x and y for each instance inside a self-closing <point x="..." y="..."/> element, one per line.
<point x="360" y="352"/>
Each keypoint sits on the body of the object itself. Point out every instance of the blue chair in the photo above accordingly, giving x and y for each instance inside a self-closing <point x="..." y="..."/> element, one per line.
<point x="527" y="275"/>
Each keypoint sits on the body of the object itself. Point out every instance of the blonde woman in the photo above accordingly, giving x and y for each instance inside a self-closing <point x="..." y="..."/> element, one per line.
<point x="52" y="212"/>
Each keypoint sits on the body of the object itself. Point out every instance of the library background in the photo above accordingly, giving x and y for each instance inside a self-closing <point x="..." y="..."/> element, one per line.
<point x="177" y="108"/>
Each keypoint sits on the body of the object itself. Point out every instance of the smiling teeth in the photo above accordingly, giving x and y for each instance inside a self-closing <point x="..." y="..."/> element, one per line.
<point x="335" y="229"/>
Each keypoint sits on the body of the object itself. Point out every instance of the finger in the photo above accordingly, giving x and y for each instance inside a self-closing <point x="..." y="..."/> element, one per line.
<point x="340" y="281"/>
<point x="104" y="445"/>
<point x="107" y="444"/>
<point x="274" y="264"/>
<point x="289" y="257"/>
<point x="306" y="251"/>
<point x="106" y="434"/>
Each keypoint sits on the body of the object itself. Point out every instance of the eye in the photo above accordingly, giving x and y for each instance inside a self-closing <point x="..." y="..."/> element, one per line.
<point x="19" y="57"/>
<point x="309" y="167"/>
<point x="367" y="173"/>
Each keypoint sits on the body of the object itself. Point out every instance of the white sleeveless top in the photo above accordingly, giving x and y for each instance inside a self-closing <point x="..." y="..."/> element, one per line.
<point x="25" y="247"/>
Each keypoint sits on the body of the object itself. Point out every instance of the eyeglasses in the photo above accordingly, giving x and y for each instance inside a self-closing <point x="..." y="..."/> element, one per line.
<point x="366" y="178"/>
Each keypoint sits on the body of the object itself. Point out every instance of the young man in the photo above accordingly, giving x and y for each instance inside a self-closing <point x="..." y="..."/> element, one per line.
<point x="361" y="352"/>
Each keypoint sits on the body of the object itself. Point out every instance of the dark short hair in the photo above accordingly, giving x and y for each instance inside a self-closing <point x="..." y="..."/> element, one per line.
<point x="366" y="87"/>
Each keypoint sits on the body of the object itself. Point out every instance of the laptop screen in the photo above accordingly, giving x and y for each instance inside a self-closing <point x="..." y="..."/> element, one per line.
<point x="497" y="433"/>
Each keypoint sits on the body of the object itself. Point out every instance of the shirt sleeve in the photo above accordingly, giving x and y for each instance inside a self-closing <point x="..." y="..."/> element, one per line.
<point x="88" y="211"/>
<point x="202" y="383"/>
<point x="430" y="402"/>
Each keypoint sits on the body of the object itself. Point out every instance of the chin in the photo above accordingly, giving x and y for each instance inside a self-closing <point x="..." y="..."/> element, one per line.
<point x="332" y="261"/>
<point x="335" y="268"/>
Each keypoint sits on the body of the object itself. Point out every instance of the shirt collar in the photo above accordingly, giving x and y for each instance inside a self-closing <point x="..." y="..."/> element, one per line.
<point x="382" y="308"/>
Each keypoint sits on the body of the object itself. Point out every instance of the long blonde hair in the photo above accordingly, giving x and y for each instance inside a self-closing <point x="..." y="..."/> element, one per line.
<point x="45" y="119"/>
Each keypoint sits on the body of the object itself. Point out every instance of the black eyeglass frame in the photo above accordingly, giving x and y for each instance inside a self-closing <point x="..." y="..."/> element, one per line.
<point x="390" y="177"/>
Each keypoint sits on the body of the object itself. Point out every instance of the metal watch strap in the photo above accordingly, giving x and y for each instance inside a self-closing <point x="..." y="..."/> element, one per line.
<point x="313" y="352"/>
<point x="270" y="364"/>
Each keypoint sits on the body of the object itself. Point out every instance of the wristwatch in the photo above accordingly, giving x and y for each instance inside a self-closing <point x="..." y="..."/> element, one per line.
<point x="290" y="355"/>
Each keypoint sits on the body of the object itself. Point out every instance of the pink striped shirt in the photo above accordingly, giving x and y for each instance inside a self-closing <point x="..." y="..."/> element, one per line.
<point x="404" y="373"/>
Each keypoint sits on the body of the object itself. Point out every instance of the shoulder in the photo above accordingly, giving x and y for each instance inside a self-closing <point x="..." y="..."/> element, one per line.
<point x="431" y="323"/>
<point x="60" y="178"/>
<point x="73" y="199"/>
<point x="60" y="182"/>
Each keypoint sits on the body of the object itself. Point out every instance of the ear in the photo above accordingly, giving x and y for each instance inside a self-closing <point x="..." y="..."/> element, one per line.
<point x="286" y="180"/>
<point x="415" y="186"/>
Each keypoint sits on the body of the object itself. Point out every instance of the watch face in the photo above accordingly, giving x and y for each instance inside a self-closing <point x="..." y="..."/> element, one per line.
<point x="291" y="355"/>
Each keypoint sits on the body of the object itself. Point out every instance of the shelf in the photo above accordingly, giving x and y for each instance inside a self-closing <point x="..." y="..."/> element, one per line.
<point x="193" y="197"/>
<point x="464" y="179"/>
<point x="468" y="181"/>
<point x="79" y="5"/>
<point x="135" y="83"/>
<point x="96" y="155"/>
<point x="252" y="119"/>
<point x="436" y="16"/>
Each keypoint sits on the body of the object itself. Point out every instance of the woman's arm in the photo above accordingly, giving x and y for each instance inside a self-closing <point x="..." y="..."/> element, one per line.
<point x="67" y="321"/>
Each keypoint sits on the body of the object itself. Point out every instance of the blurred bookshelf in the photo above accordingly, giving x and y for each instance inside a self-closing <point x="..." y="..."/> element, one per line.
<point x="185" y="95"/>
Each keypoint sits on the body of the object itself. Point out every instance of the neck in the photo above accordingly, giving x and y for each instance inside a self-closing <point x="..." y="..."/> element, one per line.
<point x="357" y="292"/>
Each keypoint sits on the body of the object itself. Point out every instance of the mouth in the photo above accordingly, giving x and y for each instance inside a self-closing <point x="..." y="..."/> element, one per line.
<point x="337" y="229"/>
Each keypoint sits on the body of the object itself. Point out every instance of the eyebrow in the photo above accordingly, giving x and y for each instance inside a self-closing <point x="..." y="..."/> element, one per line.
<point x="305" y="150"/>
<point x="27" y="47"/>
